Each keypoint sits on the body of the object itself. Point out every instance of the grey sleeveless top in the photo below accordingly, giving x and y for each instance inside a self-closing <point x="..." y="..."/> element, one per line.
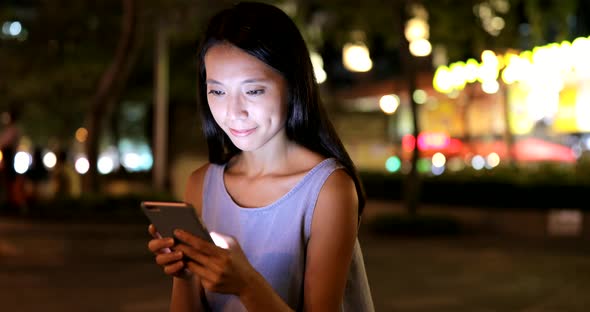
<point x="274" y="238"/>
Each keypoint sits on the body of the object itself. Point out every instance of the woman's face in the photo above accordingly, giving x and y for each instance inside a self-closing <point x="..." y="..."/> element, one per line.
<point x="247" y="98"/>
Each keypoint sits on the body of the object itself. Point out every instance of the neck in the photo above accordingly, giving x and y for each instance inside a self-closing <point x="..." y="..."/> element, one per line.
<point x="271" y="159"/>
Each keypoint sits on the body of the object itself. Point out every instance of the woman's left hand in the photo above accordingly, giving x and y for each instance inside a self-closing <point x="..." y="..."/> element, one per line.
<point x="221" y="270"/>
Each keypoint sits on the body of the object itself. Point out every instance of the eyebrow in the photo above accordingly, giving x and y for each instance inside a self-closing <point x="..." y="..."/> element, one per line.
<point x="251" y="80"/>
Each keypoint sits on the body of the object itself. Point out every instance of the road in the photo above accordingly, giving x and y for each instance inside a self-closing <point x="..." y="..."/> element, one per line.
<point x="100" y="267"/>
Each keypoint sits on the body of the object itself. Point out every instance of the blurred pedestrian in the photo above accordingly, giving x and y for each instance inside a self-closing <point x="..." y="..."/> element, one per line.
<point x="37" y="178"/>
<point x="279" y="188"/>
<point x="65" y="181"/>
<point x="13" y="183"/>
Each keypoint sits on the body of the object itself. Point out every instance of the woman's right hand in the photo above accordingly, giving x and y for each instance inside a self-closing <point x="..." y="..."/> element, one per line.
<point x="170" y="260"/>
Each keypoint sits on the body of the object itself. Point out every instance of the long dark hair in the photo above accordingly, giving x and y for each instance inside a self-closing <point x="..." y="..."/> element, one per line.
<point x="267" y="33"/>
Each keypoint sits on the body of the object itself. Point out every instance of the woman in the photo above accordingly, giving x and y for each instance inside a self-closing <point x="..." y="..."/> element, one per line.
<point x="279" y="187"/>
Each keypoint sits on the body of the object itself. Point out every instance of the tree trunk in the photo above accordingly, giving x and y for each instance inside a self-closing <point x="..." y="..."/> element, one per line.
<point x="161" y="111"/>
<point x="465" y="102"/>
<point x="508" y="136"/>
<point x="111" y="86"/>
<point x="412" y="181"/>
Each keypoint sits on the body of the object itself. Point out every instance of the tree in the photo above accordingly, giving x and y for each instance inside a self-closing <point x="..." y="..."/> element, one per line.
<point x="59" y="70"/>
<point x="53" y="65"/>
<point x="460" y="26"/>
<point x="387" y="22"/>
<point x="112" y="84"/>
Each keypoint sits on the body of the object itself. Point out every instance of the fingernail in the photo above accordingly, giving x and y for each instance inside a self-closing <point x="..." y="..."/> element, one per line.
<point x="177" y="232"/>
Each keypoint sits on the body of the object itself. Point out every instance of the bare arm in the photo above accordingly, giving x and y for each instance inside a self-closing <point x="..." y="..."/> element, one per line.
<point x="331" y="243"/>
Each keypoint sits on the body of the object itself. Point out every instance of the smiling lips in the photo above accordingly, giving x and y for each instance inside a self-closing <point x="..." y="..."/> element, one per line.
<point x="241" y="133"/>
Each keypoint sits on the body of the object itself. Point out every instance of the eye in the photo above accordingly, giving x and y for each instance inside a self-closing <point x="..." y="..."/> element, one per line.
<point x="215" y="92"/>
<point x="255" y="92"/>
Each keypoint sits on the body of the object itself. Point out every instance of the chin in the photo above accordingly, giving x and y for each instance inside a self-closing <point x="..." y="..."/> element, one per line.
<point x="245" y="146"/>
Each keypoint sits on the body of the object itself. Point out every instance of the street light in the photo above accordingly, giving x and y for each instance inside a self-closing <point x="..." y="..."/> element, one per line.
<point x="420" y="47"/>
<point x="416" y="28"/>
<point x="389" y="103"/>
<point x="417" y="32"/>
<point x="355" y="57"/>
<point x="318" y="67"/>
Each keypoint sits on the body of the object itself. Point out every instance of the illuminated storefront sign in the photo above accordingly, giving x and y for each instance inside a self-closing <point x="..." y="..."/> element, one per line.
<point x="549" y="85"/>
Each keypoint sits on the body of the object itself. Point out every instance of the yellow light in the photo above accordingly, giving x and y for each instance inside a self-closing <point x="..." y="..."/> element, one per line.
<point x="580" y="52"/>
<point x="490" y="86"/>
<point x="522" y="126"/>
<point x="487" y="72"/>
<point x="566" y="44"/>
<point x="438" y="159"/>
<point x="459" y="75"/>
<point x="442" y="80"/>
<point x="567" y="56"/>
<point x="49" y="160"/>
<point x="542" y="102"/>
<point x="355" y="57"/>
<point x="81" y="135"/>
<point x="416" y="29"/>
<point x="489" y="57"/>
<point x="493" y="159"/>
<point x="515" y="70"/>
<point x="471" y="69"/>
<point x="1" y="156"/>
<point x="318" y="66"/>
<point x="420" y="47"/>
<point x="583" y="109"/>
<point x="509" y="75"/>
<point x="543" y="56"/>
<point x="320" y="75"/>
<point x="508" y="57"/>
<point x="527" y="55"/>
<point x="498" y="23"/>
<point x="389" y="103"/>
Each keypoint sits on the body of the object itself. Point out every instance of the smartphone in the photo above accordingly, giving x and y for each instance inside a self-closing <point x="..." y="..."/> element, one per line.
<point x="168" y="216"/>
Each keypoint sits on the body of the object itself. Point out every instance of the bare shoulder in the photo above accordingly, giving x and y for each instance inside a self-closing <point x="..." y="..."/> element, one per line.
<point x="338" y="189"/>
<point x="193" y="193"/>
<point x="337" y="202"/>
<point x="304" y="159"/>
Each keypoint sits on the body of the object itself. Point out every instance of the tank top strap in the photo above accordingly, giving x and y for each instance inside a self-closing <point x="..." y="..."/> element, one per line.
<point x="213" y="182"/>
<point x="315" y="180"/>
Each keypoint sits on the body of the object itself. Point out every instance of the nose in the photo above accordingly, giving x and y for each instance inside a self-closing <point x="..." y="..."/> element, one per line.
<point x="237" y="109"/>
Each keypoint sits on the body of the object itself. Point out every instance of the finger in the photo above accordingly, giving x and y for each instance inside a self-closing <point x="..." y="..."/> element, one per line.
<point x="214" y="262"/>
<point x="167" y="258"/>
<point x="192" y="253"/>
<point x="153" y="231"/>
<point x="195" y="242"/>
<point x="203" y="272"/>
<point x="159" y="245"/>
<point x="174" y="268"/>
